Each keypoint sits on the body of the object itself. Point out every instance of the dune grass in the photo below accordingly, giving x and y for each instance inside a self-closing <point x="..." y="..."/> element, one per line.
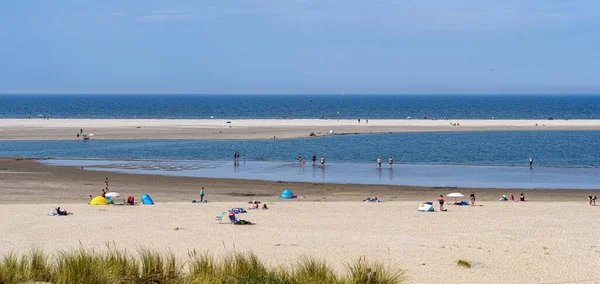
<point x="147" y="266"/>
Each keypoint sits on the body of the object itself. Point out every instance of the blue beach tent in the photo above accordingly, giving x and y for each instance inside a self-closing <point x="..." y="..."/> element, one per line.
<point x="286" y="194"/>
<point x="147" y="200"/>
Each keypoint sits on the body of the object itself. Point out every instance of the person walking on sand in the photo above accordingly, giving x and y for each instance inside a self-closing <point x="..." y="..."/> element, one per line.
<point x="530" y="162"/>
<point x="322" y="161"/>
<point x="472" y="197"/>
<point x="314" y="158"/>
<point x="441" y="200"/>
<point x="379" y="162"/>
<point x="106" y="184"/>
<point x="390" y="162"/>
<point x="202" y="194"/>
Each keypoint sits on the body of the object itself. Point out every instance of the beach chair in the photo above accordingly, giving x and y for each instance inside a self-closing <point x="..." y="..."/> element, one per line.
<point x="220" y="218"/>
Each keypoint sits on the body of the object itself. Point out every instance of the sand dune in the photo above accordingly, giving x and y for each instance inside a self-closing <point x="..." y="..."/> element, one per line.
<point x="201" y="129"/>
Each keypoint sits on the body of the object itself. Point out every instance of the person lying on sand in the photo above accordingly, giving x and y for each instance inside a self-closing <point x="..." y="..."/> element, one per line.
<point x="62" y="212"/>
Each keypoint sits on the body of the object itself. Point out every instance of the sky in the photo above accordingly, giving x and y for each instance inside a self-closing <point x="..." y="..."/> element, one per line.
<point x="300" y="47"/>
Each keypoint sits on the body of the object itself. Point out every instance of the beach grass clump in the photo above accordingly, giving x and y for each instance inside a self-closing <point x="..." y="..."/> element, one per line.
<point x="80" y="266"/>
<point x="309" y="270"/>
<point x="13" y="269"/>
<point x="364" y="272"/>
<point x="463" y="263"/>
<point x="159" y="268"/>
<point x="148" y="266"/>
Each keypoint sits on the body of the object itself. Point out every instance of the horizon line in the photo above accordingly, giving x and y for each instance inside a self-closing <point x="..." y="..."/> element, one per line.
<point x="295" y="94"/>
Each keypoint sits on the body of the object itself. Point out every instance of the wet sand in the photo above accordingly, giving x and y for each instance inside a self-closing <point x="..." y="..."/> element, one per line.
<point x="213" y="129"/>
<point x="27" y="181"/>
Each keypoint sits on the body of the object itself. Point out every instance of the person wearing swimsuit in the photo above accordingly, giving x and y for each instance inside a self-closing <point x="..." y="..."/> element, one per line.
<point x="379" y="162"/>
<point x="390" y="162"/>
<point x="441" y="200"/>
<point x="472" y="199"/>
<point x="314" y="158"/>
<point x="322" y="161"/>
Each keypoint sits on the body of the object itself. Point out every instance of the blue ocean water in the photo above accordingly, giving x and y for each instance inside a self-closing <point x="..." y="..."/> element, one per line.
<point x="300" y="106"/>
<point x="511" y="148"/>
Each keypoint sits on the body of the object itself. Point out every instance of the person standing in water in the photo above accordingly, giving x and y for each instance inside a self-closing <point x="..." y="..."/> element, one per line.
<point x="530" y="162"/>
<point x="314" y="158"/>
<point x="322" y="161"/>
<point x="379" y="162"/>
<point x="390" y="162"/>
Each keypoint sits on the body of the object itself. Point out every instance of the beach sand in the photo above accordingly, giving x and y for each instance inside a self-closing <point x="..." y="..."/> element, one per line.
<point x="211" y="129"/>
<point x="552" y="238"/>
<point x="506" y="242"/>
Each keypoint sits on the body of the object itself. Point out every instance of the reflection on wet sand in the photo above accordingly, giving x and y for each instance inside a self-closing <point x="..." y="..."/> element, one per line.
<point x="401" y="174"/>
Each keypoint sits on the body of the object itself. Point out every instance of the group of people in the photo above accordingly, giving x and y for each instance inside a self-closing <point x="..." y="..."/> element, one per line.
<point x="390" y="162"/>
<point x="592" y="200"/>
<point x="236" y="158"/>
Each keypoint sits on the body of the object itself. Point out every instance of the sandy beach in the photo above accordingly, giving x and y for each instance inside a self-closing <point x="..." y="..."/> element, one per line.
<point x="505" y="242"/>
<point x="214" y="129"/>
<point x="549" y="239"/>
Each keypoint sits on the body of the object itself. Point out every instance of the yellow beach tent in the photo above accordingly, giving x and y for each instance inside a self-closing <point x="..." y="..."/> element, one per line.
<point x="98" y="200"/>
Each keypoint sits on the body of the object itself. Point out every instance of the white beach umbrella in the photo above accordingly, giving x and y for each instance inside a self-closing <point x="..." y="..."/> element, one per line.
<point x="112" y="194"/>
<point x="455" y="195"/>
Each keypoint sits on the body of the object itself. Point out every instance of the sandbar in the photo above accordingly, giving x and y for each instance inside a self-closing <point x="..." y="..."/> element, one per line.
<point x="254" y="129"/>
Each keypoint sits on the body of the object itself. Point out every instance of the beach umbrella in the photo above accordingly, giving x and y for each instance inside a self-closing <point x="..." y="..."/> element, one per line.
<point x="112" y="194"/>
<point x="455" y="195"/>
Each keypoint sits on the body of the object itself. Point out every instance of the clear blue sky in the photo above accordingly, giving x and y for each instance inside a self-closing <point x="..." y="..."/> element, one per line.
<point x="287" y="46"/>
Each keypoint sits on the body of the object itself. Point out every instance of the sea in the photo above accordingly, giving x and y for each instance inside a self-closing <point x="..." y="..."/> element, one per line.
<point x="498" y="159"/>
<point x="302" y="106"/>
